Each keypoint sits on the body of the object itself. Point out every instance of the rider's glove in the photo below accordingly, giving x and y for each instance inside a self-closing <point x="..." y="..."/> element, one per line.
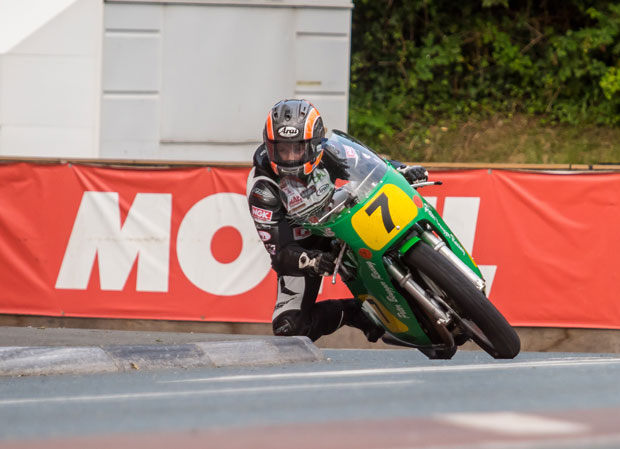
<point x="317" y="263"/>
<point x="414" y="173"/>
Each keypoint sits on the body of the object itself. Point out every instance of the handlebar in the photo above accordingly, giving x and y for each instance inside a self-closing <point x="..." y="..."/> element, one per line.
<point x="417" y="185"/>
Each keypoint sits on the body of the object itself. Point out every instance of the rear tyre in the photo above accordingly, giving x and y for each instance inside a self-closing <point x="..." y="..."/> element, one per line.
<point x="490" y="330"/>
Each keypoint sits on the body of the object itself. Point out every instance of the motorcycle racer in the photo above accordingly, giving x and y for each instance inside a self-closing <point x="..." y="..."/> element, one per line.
<point x="294" y="173"/>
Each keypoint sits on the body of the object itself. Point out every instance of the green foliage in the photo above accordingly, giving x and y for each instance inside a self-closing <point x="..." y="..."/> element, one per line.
<point x="610" y="82"/>
<point x="419" y="63"/>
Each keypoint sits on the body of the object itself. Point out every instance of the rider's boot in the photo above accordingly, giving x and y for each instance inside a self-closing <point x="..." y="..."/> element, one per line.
<point x="353" y="316"/>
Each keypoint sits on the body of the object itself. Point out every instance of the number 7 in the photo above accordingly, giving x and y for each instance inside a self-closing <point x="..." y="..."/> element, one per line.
<point x="381" y="202"/>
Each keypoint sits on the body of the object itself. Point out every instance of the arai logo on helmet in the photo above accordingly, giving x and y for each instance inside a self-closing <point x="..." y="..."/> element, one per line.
<point x="288" y="131"/>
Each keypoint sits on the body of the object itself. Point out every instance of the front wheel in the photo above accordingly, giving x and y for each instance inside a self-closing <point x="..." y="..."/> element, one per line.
<point x="486" y="325"/>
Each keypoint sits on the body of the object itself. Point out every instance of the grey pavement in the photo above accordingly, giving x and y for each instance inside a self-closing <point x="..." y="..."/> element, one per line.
<point x="42" y="351"/>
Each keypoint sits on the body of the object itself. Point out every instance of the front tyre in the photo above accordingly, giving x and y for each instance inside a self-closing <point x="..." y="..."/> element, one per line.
<point x="491" y="331"/>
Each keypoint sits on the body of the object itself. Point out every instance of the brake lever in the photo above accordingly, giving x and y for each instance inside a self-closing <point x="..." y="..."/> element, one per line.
<point x="338" y="261"/>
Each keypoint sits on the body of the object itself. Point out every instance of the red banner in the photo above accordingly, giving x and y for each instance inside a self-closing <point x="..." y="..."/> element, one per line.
<point x="553" y="238"/>
<point x="180" y="244"/>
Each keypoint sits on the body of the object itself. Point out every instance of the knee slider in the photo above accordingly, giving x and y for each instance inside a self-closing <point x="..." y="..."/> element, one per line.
<point x="289" y="323"/>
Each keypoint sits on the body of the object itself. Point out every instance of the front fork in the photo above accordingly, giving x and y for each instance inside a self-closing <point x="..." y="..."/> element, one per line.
<point x="442" y="248"/>
<point x="437" y="310"/>
<point x="439" y="318"/>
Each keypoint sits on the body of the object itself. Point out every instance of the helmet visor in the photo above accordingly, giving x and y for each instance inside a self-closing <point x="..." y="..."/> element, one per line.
<point x="292" y="154"/>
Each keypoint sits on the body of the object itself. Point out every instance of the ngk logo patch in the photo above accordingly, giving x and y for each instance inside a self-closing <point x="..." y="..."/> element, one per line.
<point x="261" y="214"/>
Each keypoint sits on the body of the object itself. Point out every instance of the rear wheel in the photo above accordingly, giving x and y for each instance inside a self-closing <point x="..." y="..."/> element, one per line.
<point x="484" y="323"/>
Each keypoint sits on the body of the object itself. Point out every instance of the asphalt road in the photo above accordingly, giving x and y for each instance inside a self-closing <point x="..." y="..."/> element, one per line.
<point x="363" y="399"/>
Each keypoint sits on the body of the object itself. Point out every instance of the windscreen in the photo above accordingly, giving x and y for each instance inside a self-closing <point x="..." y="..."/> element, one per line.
<point x="361" y="170"/>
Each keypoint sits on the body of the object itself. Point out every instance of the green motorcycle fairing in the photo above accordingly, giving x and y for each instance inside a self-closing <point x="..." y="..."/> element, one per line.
<point x="374" y="212"/>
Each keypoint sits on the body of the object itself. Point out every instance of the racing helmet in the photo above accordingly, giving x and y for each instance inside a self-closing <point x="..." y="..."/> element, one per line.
<point x="293" y="135"/>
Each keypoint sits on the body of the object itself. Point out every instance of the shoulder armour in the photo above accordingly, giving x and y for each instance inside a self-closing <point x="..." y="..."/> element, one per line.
<point x="264" y="199"/>
<point x="261" y="162"/>
<point x="264" y="193"/>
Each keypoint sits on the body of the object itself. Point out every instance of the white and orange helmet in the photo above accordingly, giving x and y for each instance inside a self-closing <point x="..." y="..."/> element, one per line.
<point x="293" y="135"/>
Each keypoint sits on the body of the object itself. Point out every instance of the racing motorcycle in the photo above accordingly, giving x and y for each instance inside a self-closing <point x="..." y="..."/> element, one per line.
<point x="400" y="259"/>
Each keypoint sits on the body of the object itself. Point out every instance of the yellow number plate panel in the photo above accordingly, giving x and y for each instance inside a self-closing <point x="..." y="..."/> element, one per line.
<point x="383" y="217"/>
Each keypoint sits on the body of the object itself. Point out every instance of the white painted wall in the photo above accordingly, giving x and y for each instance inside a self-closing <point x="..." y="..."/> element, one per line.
<point x="50" y="58"/>
<point x="174" y="80"/>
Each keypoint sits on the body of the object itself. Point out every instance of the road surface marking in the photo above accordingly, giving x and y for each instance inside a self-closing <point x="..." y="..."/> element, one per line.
<point x="513" y="423"/>
<point x="203" y="392"/>
<point x="407" y="370"/>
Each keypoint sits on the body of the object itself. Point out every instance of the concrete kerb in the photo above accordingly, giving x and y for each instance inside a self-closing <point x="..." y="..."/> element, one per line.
<point x="47" y="360"/>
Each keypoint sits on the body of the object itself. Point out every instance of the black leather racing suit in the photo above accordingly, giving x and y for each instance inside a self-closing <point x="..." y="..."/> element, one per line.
<point x="296" y="311"/>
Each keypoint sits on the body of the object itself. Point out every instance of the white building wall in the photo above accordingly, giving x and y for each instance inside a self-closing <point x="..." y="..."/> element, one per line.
<point x="50" y="59"/>
<point x="174" y="80"/>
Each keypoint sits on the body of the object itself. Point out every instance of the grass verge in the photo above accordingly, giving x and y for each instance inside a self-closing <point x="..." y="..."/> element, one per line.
<point x="518" y="139"/>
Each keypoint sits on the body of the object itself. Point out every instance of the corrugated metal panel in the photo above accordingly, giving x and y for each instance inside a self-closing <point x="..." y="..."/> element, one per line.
<point x="260" y="3"/>
<point x="204" y="74"/>
<point x="130" y="107"/>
